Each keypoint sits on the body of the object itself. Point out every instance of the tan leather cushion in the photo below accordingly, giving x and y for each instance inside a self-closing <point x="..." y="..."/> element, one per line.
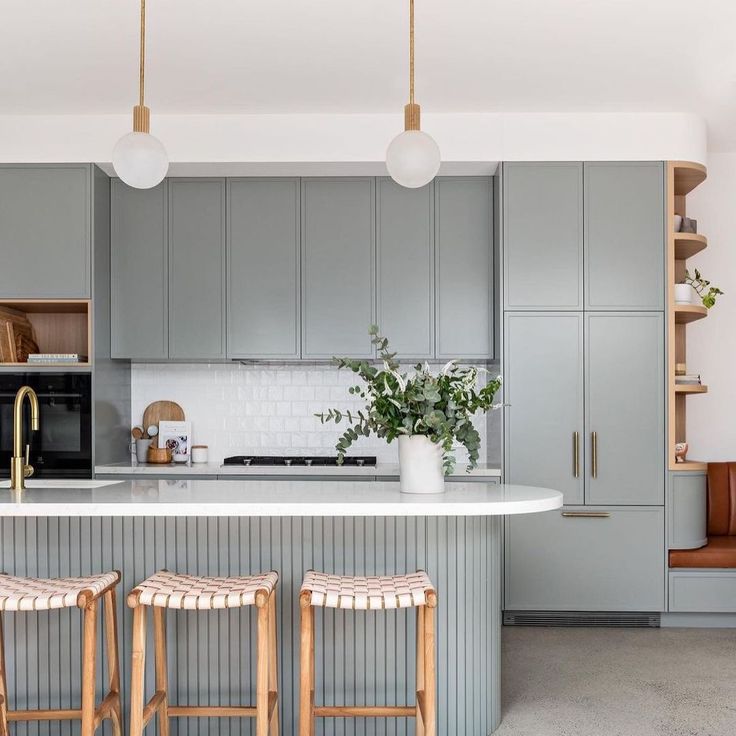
<point x="719" y="552"/>
<point x="721" y="498"/>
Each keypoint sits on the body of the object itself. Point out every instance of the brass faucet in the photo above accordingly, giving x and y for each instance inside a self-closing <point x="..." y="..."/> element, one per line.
<point x="20" y="468"/>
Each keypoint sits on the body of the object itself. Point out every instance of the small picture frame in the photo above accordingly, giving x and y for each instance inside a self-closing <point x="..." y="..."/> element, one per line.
<point x="177" y="436"/>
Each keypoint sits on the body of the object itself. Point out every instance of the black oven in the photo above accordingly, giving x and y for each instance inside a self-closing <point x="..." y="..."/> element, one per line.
<point x="62" y="447"/>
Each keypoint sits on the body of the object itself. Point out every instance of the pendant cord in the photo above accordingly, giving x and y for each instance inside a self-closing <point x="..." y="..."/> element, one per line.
<point x="411" y="51"/>
<point x="142" y="77"/>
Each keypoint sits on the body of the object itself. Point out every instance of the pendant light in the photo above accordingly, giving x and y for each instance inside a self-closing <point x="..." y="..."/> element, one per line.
<point x="139" y="158"/>
<point x="413" y="157"/>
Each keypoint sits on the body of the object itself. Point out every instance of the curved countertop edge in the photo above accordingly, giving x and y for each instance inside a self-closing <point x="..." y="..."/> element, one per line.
<point x="288" y="499"/>
<point x="195" y="469"/>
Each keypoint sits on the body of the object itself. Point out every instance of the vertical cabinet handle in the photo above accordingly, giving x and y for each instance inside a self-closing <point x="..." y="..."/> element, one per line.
<point x="594" y="452"/>
<point x="575" y="455"/>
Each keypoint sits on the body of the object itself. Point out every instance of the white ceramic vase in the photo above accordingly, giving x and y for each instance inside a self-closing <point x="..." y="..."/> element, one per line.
<point x="683" y="294"/>
<point x="421" y="466"/>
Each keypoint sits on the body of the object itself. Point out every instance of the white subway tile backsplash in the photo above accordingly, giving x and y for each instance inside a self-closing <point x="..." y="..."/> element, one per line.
<point x="249" y="409"/>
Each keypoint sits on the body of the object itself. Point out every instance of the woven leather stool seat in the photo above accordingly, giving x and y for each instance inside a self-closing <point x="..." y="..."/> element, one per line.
<point x="367" y="593"/>
<point x="173" y="590"/>
<point x="42" y="594"/>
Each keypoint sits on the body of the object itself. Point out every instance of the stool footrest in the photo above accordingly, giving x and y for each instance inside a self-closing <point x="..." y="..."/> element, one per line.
<point x="66" y="714"/>
<point x="219" y="711"/>
<point x="365" y="711"/>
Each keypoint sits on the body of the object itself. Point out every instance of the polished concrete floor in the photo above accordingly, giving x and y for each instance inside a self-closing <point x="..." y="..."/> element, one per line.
<point x="619" y="682"/>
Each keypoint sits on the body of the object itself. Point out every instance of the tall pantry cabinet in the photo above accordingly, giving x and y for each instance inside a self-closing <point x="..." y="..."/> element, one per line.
<point x="584" y="263"/>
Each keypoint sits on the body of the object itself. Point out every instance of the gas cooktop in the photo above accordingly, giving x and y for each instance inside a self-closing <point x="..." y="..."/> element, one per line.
<point x="299" y="460"/>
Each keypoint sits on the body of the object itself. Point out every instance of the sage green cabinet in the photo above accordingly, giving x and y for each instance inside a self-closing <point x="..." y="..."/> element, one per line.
<point x="405" y="267"/>
<point x="624" y="406"/>
<point x="543" y="235"/>
<point x="263" y="268"/>
<point x="543" y="397"/>
<point x="139" y="271"/>
<point x="464" y="262"/>
<point x="569" y="560"/>
<point x="338" y="260"/>
<point x="624" y="235"/>
<point x="45" y="233"/>
<point x="196" y="269"/>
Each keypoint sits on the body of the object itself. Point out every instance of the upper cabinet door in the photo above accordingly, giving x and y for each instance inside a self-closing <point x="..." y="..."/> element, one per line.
<point x="405" y="268"/>
<point x="45" y="231"/>
<point x="139" y="271"/>
<point x="543" y="394"/>
<point x="263" y="268"/>
<point x="464" y="258"/>
<point x="625" y="408"/>
<point x="197" y="268"/>
<point x="624" y="236"/>
<point x="338" y="257"/>
<point x="543" y="235"/>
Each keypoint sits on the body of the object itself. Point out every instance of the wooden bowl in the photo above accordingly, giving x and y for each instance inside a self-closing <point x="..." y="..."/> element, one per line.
<point x="159" y="455"/>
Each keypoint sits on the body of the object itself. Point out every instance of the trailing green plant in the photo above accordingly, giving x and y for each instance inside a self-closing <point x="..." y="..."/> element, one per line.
<point x="439" y="407"/>
<point x="705" y="291"/>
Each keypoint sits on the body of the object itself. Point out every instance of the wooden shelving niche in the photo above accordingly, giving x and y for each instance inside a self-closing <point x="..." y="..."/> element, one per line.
<point x="44" y="326"/>
<point x="682" y="178"/>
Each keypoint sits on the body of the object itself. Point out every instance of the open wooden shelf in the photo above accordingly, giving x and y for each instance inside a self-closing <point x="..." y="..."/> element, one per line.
<point x="687" y="176"/>
<point x="688" y="388"/>
<point x="688" y="244"/>
<point x="58" y="326"/>
<point x="691" y="465"/>
<point x="682" y="178"/>
<point x="686" y="313"/>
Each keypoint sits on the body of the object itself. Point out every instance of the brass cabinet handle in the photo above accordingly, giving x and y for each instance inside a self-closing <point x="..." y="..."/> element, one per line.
<point x="575" y="455"/>
<point x="594" y="452"/>
<point x="586" y="514"/>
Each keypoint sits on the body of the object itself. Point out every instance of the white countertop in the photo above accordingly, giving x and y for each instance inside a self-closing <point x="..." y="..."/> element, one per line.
<point x="194" y="469"/>
<point x="148" y="497"/>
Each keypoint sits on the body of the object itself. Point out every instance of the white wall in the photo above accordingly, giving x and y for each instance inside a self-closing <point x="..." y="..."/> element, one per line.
<point x="361" y="139"/>
<point x="711" y="342"/>
<point x="261" y="409"/>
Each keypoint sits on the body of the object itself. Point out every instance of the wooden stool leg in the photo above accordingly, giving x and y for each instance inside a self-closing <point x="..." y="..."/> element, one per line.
<point x="430" y="674"/>
<point x="138" y="662"/>
<point x="312" y="677"/>
<point x="306" y="685"/>
<point x="89" y="656"/>
<point x="262" y="668"/>
<point x="162" y="675"/>
<point x="273" y="663"/>
<point x="113" y="658"/>
<point x="3" y="685"/>
<point x="420" y="669"/>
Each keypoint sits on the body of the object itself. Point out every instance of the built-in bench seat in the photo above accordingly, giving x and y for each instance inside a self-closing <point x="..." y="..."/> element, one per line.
<point x="720" y="552"/>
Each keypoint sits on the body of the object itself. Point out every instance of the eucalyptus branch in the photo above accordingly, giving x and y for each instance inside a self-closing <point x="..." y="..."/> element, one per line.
<point x="439" y="407"/>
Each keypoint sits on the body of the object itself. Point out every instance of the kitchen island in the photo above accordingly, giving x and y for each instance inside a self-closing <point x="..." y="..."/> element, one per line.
<point x="239" y="527"/>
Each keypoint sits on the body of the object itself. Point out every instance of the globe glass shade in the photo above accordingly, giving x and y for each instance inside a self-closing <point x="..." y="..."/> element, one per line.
<point x="140" y="160"/>
<point x="413" y="159"/>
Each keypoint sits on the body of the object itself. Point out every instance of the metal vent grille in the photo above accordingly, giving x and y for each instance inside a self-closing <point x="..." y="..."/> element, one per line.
<point x="610" y="619"/>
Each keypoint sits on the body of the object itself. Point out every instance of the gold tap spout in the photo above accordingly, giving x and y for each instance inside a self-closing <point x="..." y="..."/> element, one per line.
<point x="20" y="468"/>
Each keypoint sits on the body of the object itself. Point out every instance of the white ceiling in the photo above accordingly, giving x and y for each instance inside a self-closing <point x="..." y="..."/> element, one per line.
<point x="325" y="56"/>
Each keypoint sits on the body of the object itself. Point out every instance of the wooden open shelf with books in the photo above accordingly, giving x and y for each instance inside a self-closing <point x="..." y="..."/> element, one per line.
<point x="682" y="178"/>
<point x="45" y="326"/>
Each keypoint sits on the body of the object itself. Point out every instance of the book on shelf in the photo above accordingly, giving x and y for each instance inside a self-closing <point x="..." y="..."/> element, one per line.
<point x="689" y="379"/>
<point x="56" y="358"/>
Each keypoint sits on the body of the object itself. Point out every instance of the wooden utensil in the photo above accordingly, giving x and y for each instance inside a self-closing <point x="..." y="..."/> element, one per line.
<point x="137" y="433"/>
<point x="162" y="411"/>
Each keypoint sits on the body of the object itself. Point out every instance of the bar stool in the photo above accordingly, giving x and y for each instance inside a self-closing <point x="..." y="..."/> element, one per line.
<point x="19" y="594"/>
<point x="165" y="590"/>
<point x="320" y="590"/>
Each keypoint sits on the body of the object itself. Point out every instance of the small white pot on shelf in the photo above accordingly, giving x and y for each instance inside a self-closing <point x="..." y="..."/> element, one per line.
<point x="683" y="294"/>
<point x="421" y="465"/>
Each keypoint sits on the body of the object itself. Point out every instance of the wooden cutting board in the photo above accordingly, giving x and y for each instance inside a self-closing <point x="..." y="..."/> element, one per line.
<point x="162" y="411"/>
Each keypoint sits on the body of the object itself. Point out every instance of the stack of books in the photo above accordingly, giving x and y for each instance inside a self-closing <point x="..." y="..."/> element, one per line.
<point x="689" y="379"/>
<point x="57" y="358"/>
